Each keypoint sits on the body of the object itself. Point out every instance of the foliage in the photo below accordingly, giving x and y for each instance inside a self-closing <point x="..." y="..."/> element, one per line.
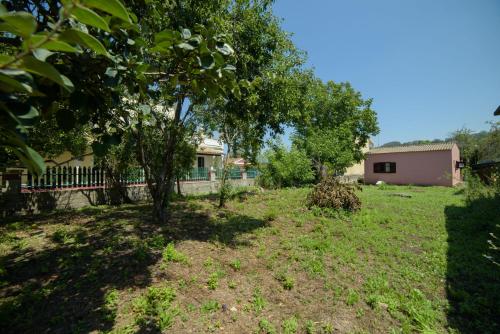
<point x="336" y="126"/>
<point x="331" y="193"/>
<point x="468" y="144"/>
<point x="42" y="42"/>
<point x="285" y="168"/>
<point x="181" y="64"/>
<point x="268" y="70"/>
<point x="477" y="192"/>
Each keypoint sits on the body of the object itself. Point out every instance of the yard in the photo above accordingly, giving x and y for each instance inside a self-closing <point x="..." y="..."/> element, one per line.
<point x="266" y="264"/>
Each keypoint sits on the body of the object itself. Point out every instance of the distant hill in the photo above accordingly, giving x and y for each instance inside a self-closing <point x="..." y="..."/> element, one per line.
<point x="477" y="135"/>
<point x="414" y="142"/>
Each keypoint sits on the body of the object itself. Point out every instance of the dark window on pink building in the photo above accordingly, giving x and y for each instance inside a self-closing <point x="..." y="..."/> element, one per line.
<point x="384" y="167"/>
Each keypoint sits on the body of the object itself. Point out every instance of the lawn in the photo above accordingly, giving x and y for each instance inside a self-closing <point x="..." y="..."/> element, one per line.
<point x="266" y="264"/>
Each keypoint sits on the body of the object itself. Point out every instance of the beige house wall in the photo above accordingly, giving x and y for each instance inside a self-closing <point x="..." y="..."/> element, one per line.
<point x="66" y="159"/>
<point x="359" y="168"/>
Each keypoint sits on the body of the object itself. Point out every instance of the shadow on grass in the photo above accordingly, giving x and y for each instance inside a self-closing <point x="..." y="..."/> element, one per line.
<point x="62" y="286"/>
<point x="473" y="282"/>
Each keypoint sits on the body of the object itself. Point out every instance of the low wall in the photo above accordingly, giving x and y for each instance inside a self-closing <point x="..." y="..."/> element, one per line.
<point x="22" y="203"/>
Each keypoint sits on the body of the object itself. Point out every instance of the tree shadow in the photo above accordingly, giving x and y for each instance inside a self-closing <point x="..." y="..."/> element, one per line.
<point x="473" y="281"/>
<point x="63" y="284"/>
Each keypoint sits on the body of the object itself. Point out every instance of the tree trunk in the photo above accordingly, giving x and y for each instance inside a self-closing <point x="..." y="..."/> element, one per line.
<point x="161" y="199"/>
<point x="179" y="187"/>
<point x="118" y="193"/>
<point x="223" y="186"/>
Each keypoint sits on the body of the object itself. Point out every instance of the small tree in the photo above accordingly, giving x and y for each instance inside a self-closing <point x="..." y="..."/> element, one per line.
<point x="336" y="126"/>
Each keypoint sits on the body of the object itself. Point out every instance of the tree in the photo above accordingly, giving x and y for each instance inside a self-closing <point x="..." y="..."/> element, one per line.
<point x="489" y="147"/>
<point x="42" y="43"/>
<point x="469" y="146"/>
<point x="337" y="125"/>
<point x="268" y="70"/>
<point x="182" y="68"/>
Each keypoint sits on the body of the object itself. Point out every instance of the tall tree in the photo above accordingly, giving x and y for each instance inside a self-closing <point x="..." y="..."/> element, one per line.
<point x="337" y="125"/>
<point x="268" y="70"/>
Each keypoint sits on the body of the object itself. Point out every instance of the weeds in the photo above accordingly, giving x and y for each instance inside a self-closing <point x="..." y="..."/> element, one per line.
<point x="110" y="305"/>
<point x="287" y="282"/>
<point x="310" y="328"/>
<point x="290" y="325"/>
<point x="265" y="327"/>
<point x="170" y="254"/>
<point x="352" y="297"/>
<point x="258" y="301"/>
<point x="155" y="306"/>
<point x="210" y="306"/>
<point x="236" y="264"/>
<point x="213" y="279"/>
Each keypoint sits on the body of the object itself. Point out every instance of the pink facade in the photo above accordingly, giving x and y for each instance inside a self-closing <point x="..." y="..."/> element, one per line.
<point x="431" y="167"/>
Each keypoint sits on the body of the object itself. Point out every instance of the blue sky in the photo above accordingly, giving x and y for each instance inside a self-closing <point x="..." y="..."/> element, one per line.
<point x="431" y="66"/>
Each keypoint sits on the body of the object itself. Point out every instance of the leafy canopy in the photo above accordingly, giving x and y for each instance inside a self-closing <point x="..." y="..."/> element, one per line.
<point x="336" y="125"/>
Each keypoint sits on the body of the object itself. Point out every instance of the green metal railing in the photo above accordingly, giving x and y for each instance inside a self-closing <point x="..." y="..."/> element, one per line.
<point x="196" y="174"/>
<point x="252" y="173"/>
<point x="235" y="173"/>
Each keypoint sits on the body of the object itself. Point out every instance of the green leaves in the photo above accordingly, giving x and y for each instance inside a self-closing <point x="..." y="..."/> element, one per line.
<point x="225" y="49"/>
<point x="29" y="157"/>
<point x="20" y="92"/>
<point x="53" y="44"/>
<point x="88" y="16"/>
<point x="207" y="61"/>
<point x="35" y="66"/>
<point x="84" y="39"/>
<point x="113" y="7"/>
<point x="18" y="23"/>
<point x="9" y="84"/>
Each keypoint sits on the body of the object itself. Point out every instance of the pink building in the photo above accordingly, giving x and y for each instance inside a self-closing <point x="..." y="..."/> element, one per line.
<point x="429" y="164"/>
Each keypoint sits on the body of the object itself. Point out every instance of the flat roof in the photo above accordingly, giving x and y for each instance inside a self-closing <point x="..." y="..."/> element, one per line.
<point x="413" y="148"/>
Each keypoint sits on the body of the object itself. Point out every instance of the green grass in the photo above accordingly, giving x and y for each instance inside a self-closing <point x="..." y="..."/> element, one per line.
<point x="265" y="264"/>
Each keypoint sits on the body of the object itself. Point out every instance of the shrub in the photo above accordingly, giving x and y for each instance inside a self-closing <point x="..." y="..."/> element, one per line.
<point x="285" y="168"/>
<point x="330" y="193"/>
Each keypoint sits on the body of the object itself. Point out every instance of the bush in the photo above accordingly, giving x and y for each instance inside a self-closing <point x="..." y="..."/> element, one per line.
<point x="330" y="193"/>
<point x="285" y="168"/>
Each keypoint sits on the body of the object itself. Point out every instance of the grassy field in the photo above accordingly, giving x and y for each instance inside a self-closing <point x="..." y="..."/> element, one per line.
<point x="266" y="264"/>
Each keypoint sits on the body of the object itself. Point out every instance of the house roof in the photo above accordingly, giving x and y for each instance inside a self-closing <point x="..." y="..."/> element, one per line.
<point x="210" y="146"/>
<point x="413" y="148"/>
<point x="497" y="112"/>
<point x="236" y="161"/>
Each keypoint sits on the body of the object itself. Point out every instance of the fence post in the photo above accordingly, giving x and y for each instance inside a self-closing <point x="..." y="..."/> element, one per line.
<point x="213" y="174"/>
<point x="244" y="174"/>
<point x="54" y="177"/>
<point x="36" y="181"/>
<point x="76" y="179"/>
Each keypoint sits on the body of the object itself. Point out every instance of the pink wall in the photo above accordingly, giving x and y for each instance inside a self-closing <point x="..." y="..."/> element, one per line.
<point x="419" y="168"/>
